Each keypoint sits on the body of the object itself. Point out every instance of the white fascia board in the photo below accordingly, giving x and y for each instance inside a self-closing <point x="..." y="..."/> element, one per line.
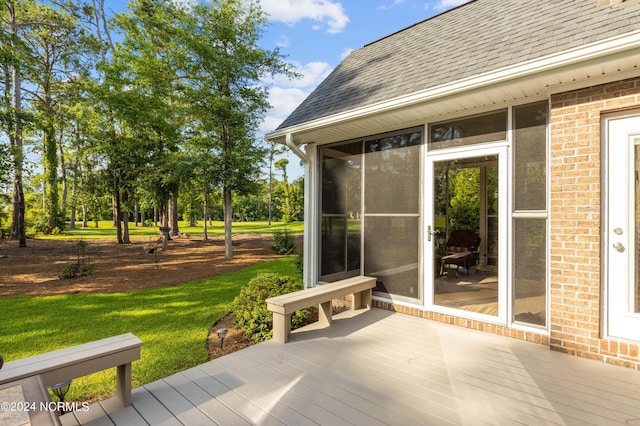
<point x="574" y="56"/>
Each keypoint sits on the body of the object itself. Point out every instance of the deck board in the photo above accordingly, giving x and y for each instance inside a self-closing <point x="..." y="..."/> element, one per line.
<point x="383" y="368"/>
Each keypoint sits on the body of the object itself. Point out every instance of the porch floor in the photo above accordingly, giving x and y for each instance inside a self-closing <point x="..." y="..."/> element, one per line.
<point x="377" y="367"/>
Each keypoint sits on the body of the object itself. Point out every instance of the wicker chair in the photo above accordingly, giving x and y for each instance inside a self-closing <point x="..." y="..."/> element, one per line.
<point x="461" y="250"/>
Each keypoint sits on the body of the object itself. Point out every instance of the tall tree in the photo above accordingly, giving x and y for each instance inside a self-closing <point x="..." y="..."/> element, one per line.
<point x="274" y="149"/>
<point x="287" y="206"/>
<point x="138" y="100"/>
<point x="55" y="35"/>
<point x="224" y="68"/>
<point x="16" y="58"/>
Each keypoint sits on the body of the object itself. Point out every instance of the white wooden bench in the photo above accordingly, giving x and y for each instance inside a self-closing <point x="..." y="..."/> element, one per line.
<point x="283" y="306"/>
<point x="68" y="363"/>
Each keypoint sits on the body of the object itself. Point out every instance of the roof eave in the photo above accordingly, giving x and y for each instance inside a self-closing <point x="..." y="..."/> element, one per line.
<point x="572" y="57"/>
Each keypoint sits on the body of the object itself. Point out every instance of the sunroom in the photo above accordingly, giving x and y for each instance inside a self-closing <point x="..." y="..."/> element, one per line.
<point x="388" y="203"/>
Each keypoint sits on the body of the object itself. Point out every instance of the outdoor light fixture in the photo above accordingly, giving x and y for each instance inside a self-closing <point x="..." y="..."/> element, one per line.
<point x="221" y="333"/>
<point x="60" y="390"/>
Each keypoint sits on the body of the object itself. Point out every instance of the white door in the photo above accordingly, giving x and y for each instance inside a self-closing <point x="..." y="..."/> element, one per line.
<point x="467" y="192"/>
<point x="623" y="228"/>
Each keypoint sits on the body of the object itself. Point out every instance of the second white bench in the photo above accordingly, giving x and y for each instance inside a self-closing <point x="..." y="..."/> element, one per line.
<point x="283" y="306"/>
<point x="68" y="363"/>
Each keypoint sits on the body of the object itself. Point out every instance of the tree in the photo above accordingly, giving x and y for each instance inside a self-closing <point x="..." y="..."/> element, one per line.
<point x="56" y="39"/>
<point x="16" y="58"/>
<point x="287" y="207"/>
<point x="225" y="66"/>
<point x="142" y="112"/>
<point x="274" y="149"/>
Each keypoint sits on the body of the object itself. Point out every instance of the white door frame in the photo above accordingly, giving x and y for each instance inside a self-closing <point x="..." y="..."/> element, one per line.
<point x="501" y="151"/>
<point x="619" y="132"/>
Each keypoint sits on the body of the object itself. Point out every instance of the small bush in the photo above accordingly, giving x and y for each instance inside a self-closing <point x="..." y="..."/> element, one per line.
<point x="283" y="242"/>
<point x="251" y="311"/>
<point x="83" y="266"/>
<point x="76" y="270"/>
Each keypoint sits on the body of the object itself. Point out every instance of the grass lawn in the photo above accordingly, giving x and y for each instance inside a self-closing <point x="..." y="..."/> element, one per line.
<point x="107" y="230"/>
<point x="173" y="323"/>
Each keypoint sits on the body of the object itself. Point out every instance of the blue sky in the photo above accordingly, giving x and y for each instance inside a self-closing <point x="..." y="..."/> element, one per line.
<point x="316" y="35"/>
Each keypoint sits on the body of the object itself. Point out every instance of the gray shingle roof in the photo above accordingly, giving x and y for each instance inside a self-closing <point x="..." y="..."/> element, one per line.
<point x="476" y="38"/>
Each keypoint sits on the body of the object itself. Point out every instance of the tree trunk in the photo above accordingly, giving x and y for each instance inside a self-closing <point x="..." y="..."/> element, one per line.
<point x="65" y="190"/>
<point x="117" y="214"/>
<point x="85" y="221"/>
<point x="74" y="190"/>
<point x="13" y="100"/>
<point x="125" y="220"/>
<point x="136" y="212"/>
<point x="164" y="229"/>
<point x="228" y="221"/>
<point x="174" y="216"/>
<point x="115" y="210"/>
<point x="204" y="216"/>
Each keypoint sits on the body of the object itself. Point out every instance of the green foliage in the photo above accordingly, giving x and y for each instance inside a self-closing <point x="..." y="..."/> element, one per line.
<point x="465" y="203"/>
<point x="37" y="222"/>
<point x="76" y="270"/>
<point x="300" y="262"/>
<point x="283" y="242"/>
<point x="250" y="308"/>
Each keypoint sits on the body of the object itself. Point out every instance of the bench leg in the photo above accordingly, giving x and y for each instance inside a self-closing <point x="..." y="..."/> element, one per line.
<point x="361" y="300"/>
<point x="123" y="384"/>
<point x="324" y="313"/>
<point x="281" y="327"/>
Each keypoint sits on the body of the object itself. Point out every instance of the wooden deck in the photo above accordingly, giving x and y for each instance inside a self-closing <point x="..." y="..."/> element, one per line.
<point x="383" y="368"/>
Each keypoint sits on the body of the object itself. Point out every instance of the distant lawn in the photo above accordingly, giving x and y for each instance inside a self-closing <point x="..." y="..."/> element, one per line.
<point x="107" y="230"/>
<point x="173" y="323"/>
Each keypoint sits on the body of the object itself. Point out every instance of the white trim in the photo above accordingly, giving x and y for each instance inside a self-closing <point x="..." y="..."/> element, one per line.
<point x="501" y="150"/>
<point x="570" y="57"/>
<point x="311" y="220"/>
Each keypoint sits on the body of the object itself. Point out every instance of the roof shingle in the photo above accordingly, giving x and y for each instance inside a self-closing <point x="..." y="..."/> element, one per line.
<point x="476" y="38"/>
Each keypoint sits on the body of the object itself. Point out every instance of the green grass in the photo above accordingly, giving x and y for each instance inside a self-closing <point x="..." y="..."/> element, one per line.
<point x="107" y="230"/>
<point x="173" y="323"/>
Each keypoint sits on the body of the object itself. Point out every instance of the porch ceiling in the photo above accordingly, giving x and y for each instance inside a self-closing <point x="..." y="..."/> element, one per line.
<point x="466" y="97"/>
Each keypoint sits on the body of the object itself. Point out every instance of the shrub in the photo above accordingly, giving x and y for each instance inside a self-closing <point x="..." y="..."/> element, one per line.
<point x="251" y="311"/>
<point x="76" y="270"/>
<point x="83" y="266"/>
<point x="283" y="242"/>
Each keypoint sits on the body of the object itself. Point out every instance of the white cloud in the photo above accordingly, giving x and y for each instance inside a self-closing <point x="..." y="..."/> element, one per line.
<point x="290" y="12"/>
<point x="346" y="52"/>
<point x="447" y="4"/>
<point x="312" y="74"/>
<point x="284" y="100"/>
<point x="390" y="6"/>
<point x="285" y="94"/>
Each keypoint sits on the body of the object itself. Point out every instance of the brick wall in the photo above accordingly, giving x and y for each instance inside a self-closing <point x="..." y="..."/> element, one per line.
<point x="575" y="221"/>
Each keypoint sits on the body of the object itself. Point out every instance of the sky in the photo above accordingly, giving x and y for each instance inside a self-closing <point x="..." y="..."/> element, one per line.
<point x="316" y="35"/>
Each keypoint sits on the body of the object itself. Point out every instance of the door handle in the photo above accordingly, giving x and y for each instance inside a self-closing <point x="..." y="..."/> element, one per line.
<point x="618" y="246"/>
<point x="431" y="232"/>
